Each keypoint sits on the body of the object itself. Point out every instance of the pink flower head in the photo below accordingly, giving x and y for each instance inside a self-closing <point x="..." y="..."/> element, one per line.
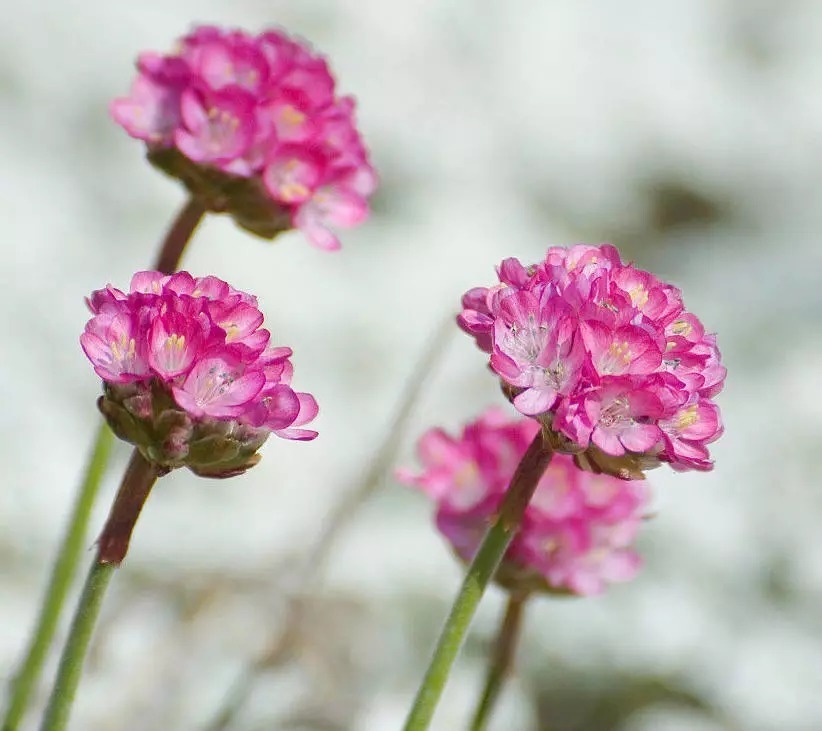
<point x="183" y="350"/>
<point x="603" y="353"/>
<point x="577" y="531"/>
<point x="229" y="106"/>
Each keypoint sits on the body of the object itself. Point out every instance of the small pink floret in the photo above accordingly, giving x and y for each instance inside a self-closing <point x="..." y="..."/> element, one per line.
<point x="218" y="127"/>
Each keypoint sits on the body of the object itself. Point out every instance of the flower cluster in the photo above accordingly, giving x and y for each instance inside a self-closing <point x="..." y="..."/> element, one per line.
<point x="189" y="374"/>
<point x="252" y="126"/>
<point x="605" y="355"/>
<point x="577" y="530"/>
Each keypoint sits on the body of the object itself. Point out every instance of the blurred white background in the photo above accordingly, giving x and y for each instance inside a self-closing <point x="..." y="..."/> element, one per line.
<point x="689" y="134"/>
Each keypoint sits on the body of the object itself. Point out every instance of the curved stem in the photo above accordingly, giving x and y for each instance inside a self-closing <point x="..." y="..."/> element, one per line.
<point x="60" y="580"/>
<point x="502" y="658"/>
<point x="180" y="233"/>
<point x="482" y="568"/>
<point x="138" y="480"/>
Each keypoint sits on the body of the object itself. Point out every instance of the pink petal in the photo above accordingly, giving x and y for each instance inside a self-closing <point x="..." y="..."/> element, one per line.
<point x="621" y="565"/>
<point x="640" y="437"/>
<point x="148" y="282"/>
<point x="300" y="435"/>
<point x="318" y="235"/>
<point x="283" y="407"/>
<point x="533" y="401"/>
<point x="192" y="110"/>
<point x="435" y="447"/>
<point x="608" y="442"/>
<point x="505" y="366"/>
<point x="308" y="409"/>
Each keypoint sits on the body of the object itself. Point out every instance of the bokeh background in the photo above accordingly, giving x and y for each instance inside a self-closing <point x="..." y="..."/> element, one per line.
<point x="687" y="133"/>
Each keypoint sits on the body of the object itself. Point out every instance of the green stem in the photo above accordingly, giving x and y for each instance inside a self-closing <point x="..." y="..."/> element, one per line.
<point x="74" y="652"/>
<point x="482" y="568"/>
<point x="180" y="233"/>
<point x="65" y="567"/>
<point x="502" y="658"/>
<point x="138" y="480"/>
<point x="60" y="581"/>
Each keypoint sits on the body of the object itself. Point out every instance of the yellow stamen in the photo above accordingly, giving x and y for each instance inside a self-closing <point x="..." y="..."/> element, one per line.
<point x="687" y="417"/>
<point x="176" y="342"/>
<point x="620" y="352"/>
<point x="466" y="475"/>
<point x="293" y="191"/>
<point x="123" y="348"/>
<point x="681" y="327"/>
<point x="291" y="116"/>
<point x="639" y="295"/>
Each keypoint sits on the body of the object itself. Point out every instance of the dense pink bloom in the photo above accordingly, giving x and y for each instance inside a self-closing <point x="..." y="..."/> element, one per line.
<point x="193" y="347"/>
<point x="603" y="353"/>
<point x="577" y="531"/>
<point x="257" y="107"/>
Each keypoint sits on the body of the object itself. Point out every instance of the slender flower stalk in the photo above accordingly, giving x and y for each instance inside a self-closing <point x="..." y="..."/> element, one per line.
<point x="60" y="581"/>
<point x="68" y="555"/>
<point x="137" y="482"/>
<point x="485" y="563"/>
<point x="502" y="659"/>
<point x="178" y="236"/>
<point x="74" y="654"/>
<point x="191" y="380"/>
<point x="112" y="545"/>
<point x="620" y="377"/>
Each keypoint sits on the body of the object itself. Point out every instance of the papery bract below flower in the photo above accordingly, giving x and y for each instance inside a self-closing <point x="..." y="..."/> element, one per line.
<point x="252" y="127"/>
<point x="605" y="356"/>
<point x="189" y="376"/>
<point x="577" y="531"/>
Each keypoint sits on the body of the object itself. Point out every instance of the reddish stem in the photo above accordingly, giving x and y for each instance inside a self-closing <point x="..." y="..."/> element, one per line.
<point x="179" y="235"/>
<point x="139" y="478"/>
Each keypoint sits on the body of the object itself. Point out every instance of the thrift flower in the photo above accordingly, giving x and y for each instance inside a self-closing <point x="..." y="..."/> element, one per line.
<point x="251" y="125"/>
<point x="189" y="375"/>
<point x="604" y="355"/>
<point x="577" y="531"/>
